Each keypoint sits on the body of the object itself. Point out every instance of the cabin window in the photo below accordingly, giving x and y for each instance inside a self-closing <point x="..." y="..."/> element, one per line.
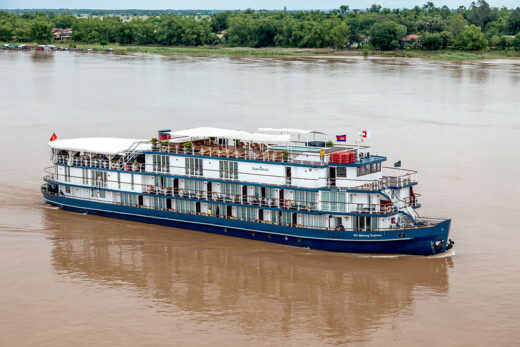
<point x="185" y="206"/>
<point x="312" y="221"/>
<point x="161" y="163"/>
<point x="98" y="178"/>
<point x="333" y="201"/>
<point x="67" y="189"/>
<point x="304" y="199"/>
<point x="230" y="191"/>
<point x="364" y="223"/>
<point x="158" y="203"/>
<point x="67" y="173"/>
<point x="96" y="193"/>
<point x="286" y="218"/>
<point x="128" y="199"/>
<point x="193" y="166"/>
<point x="368" y="169"/>
<point x="228" y="169"/>
<point x="84" y="176"/>
<point x="132" y="181"/>
<point x="119" y="180"/>
<point x="246" y="213"/>
<point x="341" y="172"/>
<point x="194" y="187"/>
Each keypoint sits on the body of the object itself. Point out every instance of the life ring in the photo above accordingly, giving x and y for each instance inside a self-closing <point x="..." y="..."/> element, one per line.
<point x="388" y="209"/>
<point x="286" y="204"/>
<point x="181" y="191"/>
<point x="164" y="149"/>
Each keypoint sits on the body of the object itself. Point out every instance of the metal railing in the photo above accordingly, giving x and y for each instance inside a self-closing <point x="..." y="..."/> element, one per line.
<point x="243" y="199"/>
<point x="423" y="223"/>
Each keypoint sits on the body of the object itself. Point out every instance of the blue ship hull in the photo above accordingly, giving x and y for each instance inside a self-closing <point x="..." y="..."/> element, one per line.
<point x="420" y="241"/>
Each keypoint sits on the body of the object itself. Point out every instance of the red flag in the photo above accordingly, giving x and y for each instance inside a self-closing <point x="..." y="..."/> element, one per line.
<point x="365" y="134"/>
<point x="53" y="137"/>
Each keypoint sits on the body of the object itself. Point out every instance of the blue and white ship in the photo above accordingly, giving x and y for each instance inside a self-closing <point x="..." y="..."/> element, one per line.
<point x="274" y="185"/>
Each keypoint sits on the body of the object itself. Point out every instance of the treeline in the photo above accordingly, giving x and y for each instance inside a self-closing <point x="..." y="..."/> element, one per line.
<point x="475" y="28"/>
<point x="117" y="12"/>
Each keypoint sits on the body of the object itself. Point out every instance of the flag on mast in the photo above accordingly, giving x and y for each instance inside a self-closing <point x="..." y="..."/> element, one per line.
<point x="397" y="164"/>
<point x="364" y="134"/>
<point x="53" y="137"/>
<point x="341" y="138"/>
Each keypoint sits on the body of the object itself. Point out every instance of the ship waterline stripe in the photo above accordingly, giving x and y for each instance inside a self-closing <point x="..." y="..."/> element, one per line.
<point x="226" y="226"/>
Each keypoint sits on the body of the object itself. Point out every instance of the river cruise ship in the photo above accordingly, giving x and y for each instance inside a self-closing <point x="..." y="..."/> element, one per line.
<point x="274" y="185"/>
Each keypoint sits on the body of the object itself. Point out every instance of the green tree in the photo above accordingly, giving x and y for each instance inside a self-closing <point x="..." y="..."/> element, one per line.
<point x="505" y="43"/>
<point x="40" y="30"/>
<point x="513" y="22"/>
<point x="480" y="13"/>
<point x="431" y="42"/>
<point x="516" y="42"/>
<point x="386" y="35"/>
<point x="471" y="39"/>
<point x="456" y="25"/>
<point x="6" y="31"/>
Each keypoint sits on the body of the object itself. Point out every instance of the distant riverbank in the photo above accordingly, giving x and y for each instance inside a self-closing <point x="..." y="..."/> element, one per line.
<point x="245" y="51"/>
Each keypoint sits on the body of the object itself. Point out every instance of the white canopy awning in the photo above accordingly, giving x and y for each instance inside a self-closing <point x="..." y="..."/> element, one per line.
<point x="290" y="131"/>
<point x="205" y="132"/>
<point x="103" y="145"/>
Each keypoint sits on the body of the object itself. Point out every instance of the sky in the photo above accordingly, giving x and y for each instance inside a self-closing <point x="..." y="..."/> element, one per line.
<point x="237" y="4"/>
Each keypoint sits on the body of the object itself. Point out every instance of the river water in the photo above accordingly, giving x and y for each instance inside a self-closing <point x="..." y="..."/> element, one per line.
<point x="73" y="279"/>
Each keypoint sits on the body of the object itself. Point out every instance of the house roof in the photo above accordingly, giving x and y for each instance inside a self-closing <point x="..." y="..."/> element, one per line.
<point x="411" y="37"/>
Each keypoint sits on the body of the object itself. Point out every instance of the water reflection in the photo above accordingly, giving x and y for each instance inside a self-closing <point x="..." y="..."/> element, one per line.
<point x="339" y="295"/>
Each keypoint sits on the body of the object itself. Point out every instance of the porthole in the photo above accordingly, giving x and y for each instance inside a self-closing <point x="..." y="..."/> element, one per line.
<point x="252" y="233"/>
<point x="299" y="239"/>
<point x="268" y="236"/>
<point x="286" y="238"/>
<point x="402" y="235"/>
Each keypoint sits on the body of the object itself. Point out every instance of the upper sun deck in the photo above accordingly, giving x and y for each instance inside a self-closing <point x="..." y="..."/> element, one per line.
<point x="292" y="146"/>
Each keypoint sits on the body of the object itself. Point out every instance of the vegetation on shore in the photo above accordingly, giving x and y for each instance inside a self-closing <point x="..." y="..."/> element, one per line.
<point x="288" y="52"/>
<point x="479" y="28"/>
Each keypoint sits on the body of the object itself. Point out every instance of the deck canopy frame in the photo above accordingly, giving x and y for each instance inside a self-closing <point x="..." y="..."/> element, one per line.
<point x="101" y="145"/>
<point x="245" y="136"/>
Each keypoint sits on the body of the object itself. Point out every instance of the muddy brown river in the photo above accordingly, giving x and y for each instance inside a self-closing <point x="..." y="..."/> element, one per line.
<point x="69" y="279"/>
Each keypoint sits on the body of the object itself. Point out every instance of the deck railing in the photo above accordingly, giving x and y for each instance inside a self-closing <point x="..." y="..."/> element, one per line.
<point x="423" y="223"/>
<point x="244" y="199"/>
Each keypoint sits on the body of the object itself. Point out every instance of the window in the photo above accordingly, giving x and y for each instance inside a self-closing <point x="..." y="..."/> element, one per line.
<point x="84" y="176"/>
<point x="96" y="193"/>
<point x="161" y="163"/>
<point x="313" y="221"/>
<point x="193" y="187"/>
<point x="286" y="218"/>
<point x="230" y="191"/>
<point x="67" y="189"/>
<point x="304" y="199"/>
<point x="132" y="181"/>
<point x="368" y="169"/>
<point x="341" y="172"/>
<point x="158" y="203"/>
<point x="246" y="213"/>
<point x="119" y="180"/>
<point x="67" y="173"/>
<point x="98" y="178"/>
<point x="185" y="206"/>
<point x="333" y="201"/>
<point x="128" y="199"/>
<point x="194" y="166"/>
<point x="228" y="169"/>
